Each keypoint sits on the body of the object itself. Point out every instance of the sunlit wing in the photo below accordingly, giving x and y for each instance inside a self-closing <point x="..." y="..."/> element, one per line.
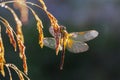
<point x="51" y="31"/>
<point x="76" y="46"/>
<point x="72" y="45"/>
<point x="49" y="42"/>
<point x="83" y="36"/>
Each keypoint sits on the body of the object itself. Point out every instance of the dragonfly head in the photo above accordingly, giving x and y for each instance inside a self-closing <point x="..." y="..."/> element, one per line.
<point x="62" y="28"/>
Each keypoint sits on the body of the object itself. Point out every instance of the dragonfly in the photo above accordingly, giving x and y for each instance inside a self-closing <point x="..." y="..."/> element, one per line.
<point x="74" y="42"/>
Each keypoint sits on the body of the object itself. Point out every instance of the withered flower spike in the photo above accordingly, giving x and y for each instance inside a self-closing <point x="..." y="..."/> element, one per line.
<point x="20" y="33"/>
<point x="9" y="32"/>
<point x="20" y="45"/>
<point x="22" y="54"/>
<point x="20" y="74"/>
<point x="18" y="23"/>
<point x="41" y="36"/>
<point x="39" y="27"/>
<point x="2" y="59"/>
<point x="25" y="64"/>
<point x="11" y="37"/>
<point x="56" y="29"/>
<point x="20" y="39"/>
<point x="53" y="21"/>
<point x="54" y="24"/>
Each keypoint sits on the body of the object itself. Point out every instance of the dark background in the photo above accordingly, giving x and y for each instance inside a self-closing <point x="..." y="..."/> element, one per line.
<point x="100" y="62"/>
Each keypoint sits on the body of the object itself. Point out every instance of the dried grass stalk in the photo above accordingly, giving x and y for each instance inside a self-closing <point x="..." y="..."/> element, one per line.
<point x="20" y="74"/>
<point x="43" y="4"/>
<point x="54" y="24"/>
<point x="22" y="54"/>
<point x="56" y="29"/>
<point x="19" y="33"/>
<point x="9" y="31"/>
<point x="10" y="75"/>
<point x="20" y="39"/>
<point x="41" y="36"/>
<point x="2" y="59"/>
<point x="39" y="27"/>
<point x="21" y="46"/>
<point x="18" y="24"/>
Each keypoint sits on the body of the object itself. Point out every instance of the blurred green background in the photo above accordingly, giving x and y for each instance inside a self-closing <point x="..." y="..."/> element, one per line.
<point x="100" y="62"/>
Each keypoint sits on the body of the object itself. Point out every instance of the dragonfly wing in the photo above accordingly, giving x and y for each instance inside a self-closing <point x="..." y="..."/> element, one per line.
<point x="49" y="42"/>
<point x="84" y="36"/>
<point x="51" y="31"/>
<point x="77" y="46"/>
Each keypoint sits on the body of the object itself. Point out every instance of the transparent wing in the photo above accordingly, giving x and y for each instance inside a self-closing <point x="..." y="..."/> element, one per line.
<point x="83" y="36"/>
<point x="49" y="42"/>
<point x="51" y="31"/>
<point x="76" y="46"/>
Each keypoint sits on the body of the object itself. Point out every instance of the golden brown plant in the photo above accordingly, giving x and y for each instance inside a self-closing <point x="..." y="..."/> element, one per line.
<point x="21" y="46"/>
<point x="19" y="36"/>
<point x="54" y="24"/>
<point x="39" y="27"/>
<point x="20" y="74"/>
<point x="2" y="59"/>
<point x="9" y="32"/>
